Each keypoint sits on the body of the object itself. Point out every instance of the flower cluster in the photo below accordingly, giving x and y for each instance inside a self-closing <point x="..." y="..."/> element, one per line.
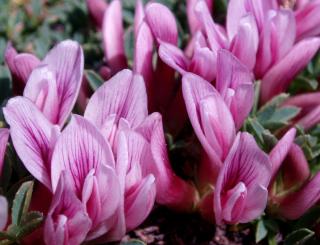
<point x="98" y="175"/>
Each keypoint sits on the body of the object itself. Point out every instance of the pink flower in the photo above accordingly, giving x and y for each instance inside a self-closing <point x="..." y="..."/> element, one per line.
<point x="86" y="157"/>
<point x="3" y="213"/>
<point x="137" y="186"/>
<point x="241" y="190"/>
<point x="67" y="221"/>
<point x="281" y="54"/>
<point x="4" y="136"/>
<point x="121" y="104"/>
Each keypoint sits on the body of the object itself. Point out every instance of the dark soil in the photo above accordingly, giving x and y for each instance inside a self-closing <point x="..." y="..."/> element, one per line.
<point x="166" y="227"/>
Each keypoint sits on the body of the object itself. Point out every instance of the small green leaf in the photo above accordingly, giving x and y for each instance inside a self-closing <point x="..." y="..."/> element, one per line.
<point x="94" y="80"/>
<point x="30" y="222"/>
<point x="256" y="129"/>
<point x="133" y="242"/>
<point x="21" y="202"/>
<point x="261" y="231"/>
<point x="298" y="237"/>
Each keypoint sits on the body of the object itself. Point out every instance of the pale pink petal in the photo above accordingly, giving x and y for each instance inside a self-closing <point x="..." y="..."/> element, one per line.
<point x="244" y="45"/>
<point x="41" y="89"/>
<point x="281" y="74"/>
<point x="172" y="191"/>
<point x="66" y="61"/>
<point x="161" y="22"/>
<point x="193" y="21"/>
<point x="138" y="17"/>
<point x="67" y="221"/>
<point x="203" y="63"/>
<point x="113" y="37"/>
<point x="4" y="136"/>
<point x="236" y="10"/>
<point x="285" y="32"/>
<point x="33" y="137"/>
<point x="174" y="57"/>
<point x="216" y="37"/>
<point x="280" y="151"/>
<point x="124" y="95"/>
<point x="195" y="89"/>
<point x="96" y="9"/>
<point x="3" y="213"/>
<point x="139" y="202"/>
<point x="143" y="52"/>
<point x="235" y="84"/>
<point x="297" y="203"/>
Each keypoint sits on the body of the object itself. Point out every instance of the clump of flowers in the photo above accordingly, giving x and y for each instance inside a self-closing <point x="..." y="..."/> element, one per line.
<point x="99" y="160"/>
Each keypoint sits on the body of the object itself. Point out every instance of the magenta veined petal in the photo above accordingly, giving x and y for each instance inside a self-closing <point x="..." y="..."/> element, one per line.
<point x="66" y="61"/>
<point x="33" y="137"/>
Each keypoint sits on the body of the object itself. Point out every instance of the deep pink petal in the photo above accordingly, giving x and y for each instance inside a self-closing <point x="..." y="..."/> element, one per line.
<point x="281" y="74"/>
<point x="300" y="201"/>
<point x="307" y="18"/>
<point x="281" y="150"/>
<point x="113" y="37"/>
<point x="172" y="191"/>
<point x="96" y="9"/>
<point x="236" y="10"/>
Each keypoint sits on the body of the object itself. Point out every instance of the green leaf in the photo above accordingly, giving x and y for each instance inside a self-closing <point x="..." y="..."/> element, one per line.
<point x="21" y="202"/>
<point x="133" y="242"/>
<point x="261" y="231"/>
<point x="298" y="237"/>
<point x="94" y="80"/>
<point x="30" y="222"/>
<point x="256" y="129"/>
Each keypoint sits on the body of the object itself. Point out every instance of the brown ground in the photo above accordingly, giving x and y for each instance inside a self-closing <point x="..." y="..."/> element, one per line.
<point x="166" y="227"/>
